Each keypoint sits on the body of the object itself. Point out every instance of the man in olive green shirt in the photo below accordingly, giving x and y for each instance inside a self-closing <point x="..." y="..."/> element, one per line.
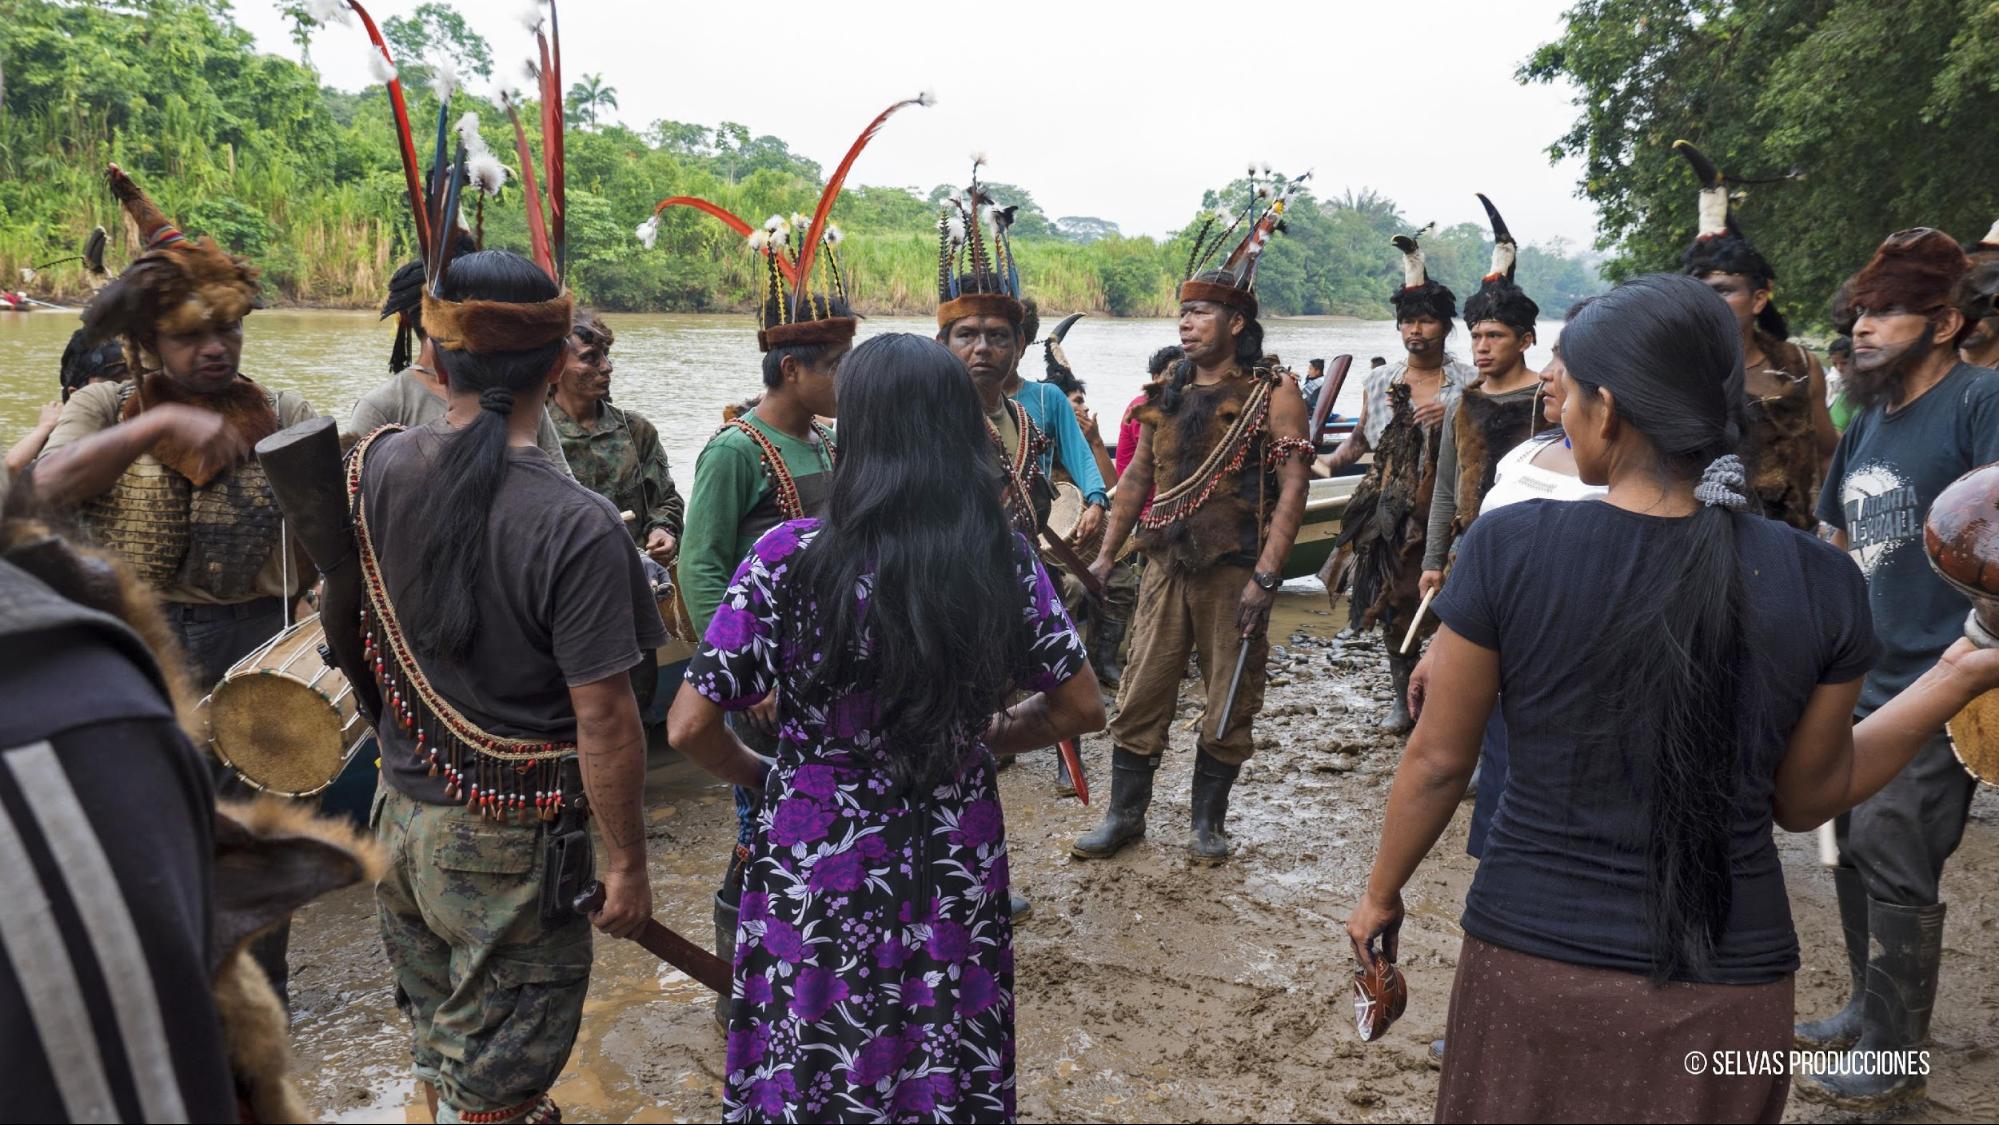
<point x="614" y="453"/>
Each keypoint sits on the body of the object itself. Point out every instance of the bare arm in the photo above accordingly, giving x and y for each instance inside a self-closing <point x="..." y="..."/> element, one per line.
<point x="1043" y="719"/>
<point x="1430" y="782"/>
<point x="1833" y="765"/>
<point x="91" y="465"/>
<point x="611" y="751"/>
<point x="694" y="727"/>
<point x="29" y="447"/>
<point x="1106" y="465"/>
<point x="1352" y="448"/>
<point x="1294" y="477"/>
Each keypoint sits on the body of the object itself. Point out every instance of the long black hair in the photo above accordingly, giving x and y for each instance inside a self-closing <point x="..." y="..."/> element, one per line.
<point x="1248" y="350"/>
<point x="469" y="464"/>
<point x="915" y="514"/>
<point x="1667" y="348"/>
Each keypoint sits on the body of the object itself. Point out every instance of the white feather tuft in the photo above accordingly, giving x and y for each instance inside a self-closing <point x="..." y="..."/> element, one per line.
<point x="1224" y="218"/>
<point x="955" y="225"/>
<point x="774" y="222"/>
<point x="648" y="231"/>
<point x="531" y="17"/>
<point x="833" y="235"/>
<point x="978" y="158"/>
<point x="759" y="239"/>
<point x="1266" y="168"/>
<point x="1252" y="169"/>
<point x="380" y="66"/>
<point x="798" y="221"/>
<point x="329" y="11"/>
<point x="468" y="134"/>
<point x="443" y="78"/>
<point x="486" y="172"/>
<point x="1263" y="191"/>
<point x="1992" y="236"/>
<point x="927" y="98"/>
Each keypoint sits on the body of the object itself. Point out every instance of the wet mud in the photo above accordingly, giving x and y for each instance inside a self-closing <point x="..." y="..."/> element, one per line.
<point x="1149" y="988"/>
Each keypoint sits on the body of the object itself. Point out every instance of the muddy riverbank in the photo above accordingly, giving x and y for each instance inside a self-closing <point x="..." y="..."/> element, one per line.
<point x="1149" y="988"/>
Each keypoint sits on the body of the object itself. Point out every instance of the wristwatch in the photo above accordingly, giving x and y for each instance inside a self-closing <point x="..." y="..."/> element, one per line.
<point x="1266" y="581"/>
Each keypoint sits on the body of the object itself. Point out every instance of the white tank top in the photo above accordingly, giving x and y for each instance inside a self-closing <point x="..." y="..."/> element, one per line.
<point x="1518" y="478"/>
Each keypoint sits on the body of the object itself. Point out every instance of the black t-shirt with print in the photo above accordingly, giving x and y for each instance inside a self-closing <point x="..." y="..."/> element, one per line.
<point x="1886" y="472"/>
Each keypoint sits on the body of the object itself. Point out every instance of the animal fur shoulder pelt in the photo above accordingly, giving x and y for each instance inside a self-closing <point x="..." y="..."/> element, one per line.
<point x="1386" y="520"/>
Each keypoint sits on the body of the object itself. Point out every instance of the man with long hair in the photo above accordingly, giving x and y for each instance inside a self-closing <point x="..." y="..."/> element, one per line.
<point x="1223" y="442"/>
<point x="875" y="978"/>
<point x="505" y="608"/>
<point x="413" y="394"/>
<point x="1925" y="418"/>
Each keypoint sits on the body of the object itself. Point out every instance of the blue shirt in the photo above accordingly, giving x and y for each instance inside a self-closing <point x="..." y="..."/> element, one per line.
<point x="1051" y="412"/>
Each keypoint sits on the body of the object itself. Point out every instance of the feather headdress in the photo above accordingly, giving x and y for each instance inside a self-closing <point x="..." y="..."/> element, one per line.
<point x="176" y="285"/>
<point x="1719" y="246"/>
<point x="1233" y="282"/>
<point x="1498" y="298"/>
<point x="976" y="271"/>
<point x="801" y="288"/>
<point x="1418" y="295"/>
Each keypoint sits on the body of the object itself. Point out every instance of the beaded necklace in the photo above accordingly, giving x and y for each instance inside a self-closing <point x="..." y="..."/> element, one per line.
<point x="781" y="479"/>
<point x="496" y="776"/>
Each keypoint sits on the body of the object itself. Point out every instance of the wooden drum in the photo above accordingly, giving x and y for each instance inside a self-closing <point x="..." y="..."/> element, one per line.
<point x="284" y="718"/>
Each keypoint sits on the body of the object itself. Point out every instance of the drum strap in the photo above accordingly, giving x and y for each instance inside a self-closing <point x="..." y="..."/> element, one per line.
<point x="779" y="472"/>
<point x="495" y="775"/>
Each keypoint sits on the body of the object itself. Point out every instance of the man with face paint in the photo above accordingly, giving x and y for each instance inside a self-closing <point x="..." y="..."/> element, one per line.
<point x="1222" y="441"/>
<point x="1401" y="422"/>
<point x="1925" y="418"/>
<point x="160" y="468"/>
<point x="612" y="451"/>
<point x="1495" y="413"/>
<point x="1788" y="430"/>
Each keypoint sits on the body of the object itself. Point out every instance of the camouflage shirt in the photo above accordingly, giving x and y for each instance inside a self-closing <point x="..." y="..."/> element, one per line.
<point x="620" y="459"/>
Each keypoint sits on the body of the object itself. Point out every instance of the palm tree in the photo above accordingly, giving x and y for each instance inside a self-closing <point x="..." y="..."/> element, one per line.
<point x="588" y="97"/>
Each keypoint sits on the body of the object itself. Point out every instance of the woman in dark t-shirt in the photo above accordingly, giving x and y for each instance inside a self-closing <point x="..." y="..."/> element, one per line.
<point x="1679" y="673"/>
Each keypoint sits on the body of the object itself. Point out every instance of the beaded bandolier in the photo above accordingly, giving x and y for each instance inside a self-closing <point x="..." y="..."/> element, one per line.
<point x="497" y="776"/>
<point x="1216" y="468"/>
<point x="1026" y="488"/>
<point x="783" y="484"/>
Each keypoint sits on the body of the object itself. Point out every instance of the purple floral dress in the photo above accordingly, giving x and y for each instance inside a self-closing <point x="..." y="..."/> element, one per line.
<point x="874" y="949"/>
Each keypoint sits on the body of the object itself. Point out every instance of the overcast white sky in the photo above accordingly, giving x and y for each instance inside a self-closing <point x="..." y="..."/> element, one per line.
<point x="1125" y="112"/>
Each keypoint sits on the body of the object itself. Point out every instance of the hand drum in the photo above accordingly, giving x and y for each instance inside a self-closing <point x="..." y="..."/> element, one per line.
<point x="1962" y="538"/>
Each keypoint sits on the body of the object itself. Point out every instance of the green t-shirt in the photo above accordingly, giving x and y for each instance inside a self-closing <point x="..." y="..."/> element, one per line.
<point x="733" y="502"/>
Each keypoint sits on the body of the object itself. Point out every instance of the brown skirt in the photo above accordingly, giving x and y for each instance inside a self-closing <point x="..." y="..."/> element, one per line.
<point x="1531" y="1039"/>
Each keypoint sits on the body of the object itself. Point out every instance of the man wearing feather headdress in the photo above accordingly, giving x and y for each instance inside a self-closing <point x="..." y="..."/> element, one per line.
<point x="980" y="316"/>
<point x="1222" y="439"/>
<point x="1401" y="422"/>
<point x="1494" y="414"/>
<point x="1787" y="432"/>
<point x="159" y="469"/>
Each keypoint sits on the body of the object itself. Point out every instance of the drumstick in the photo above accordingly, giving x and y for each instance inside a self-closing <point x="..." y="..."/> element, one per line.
<point x="1828" y="845"/>
<point x="1421" y="608"/>
<point x="629" y="516"/>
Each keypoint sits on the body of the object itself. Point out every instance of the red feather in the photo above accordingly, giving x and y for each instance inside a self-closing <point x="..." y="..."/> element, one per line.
<point x="558" y="177"/>
<point x="551" y="146"/>
<point x="412" y="179"/>
<point x="730" y="219"/>
<point x="531" y="188"/>
<point x="808" y="249"/>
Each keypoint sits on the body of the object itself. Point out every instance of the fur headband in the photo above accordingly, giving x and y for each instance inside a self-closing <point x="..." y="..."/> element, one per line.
<point x="980" y="304"/>
<point x="486" y="327"/>
<point x="806" y="333"/>
<point x="1228" y="296"/>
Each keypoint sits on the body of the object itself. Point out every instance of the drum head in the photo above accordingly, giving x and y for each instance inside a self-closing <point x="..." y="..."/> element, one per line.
<point x="280" y="734"/>
<point x="1067" y="509"/>
<point x="1974" y="737"/>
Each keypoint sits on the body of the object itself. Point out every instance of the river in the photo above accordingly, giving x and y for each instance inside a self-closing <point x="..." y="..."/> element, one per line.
<point x="679" y="370"/>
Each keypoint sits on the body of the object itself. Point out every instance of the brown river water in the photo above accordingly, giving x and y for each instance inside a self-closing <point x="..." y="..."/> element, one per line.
<point x="679" y="370"/>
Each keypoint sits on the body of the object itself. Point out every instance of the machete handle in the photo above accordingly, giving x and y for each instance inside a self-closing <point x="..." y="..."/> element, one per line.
<point x="590" y="901"/>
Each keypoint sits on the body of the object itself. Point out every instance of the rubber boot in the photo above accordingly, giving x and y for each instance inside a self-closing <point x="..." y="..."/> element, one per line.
<point x="1842" y="1028"/>
<point x="1907" y="944"/>
<point x="1106" y="639"/>
<point x="1398" y="721"/>
<point x="1124" y="817"/>
<point x="1212" y="781"/>
<point x="725" y="948"/>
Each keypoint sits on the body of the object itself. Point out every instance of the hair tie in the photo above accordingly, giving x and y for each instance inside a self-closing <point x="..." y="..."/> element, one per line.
<point x="1723" y="483"/>
<point x="499" y="400"/>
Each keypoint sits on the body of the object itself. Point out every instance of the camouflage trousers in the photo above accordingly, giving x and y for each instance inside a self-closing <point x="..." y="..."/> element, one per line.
<point x="494" y="997"/>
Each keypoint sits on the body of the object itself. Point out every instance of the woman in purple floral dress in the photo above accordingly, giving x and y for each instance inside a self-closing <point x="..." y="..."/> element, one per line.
<point x="874" y="955"/>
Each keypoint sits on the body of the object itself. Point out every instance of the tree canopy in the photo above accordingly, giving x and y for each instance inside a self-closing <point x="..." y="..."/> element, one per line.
<point x="1840" y="121"/>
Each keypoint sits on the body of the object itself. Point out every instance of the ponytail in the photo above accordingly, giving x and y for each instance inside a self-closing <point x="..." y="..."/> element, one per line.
<point x="1668" y="349"/>
<point x="470" y="463"/>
